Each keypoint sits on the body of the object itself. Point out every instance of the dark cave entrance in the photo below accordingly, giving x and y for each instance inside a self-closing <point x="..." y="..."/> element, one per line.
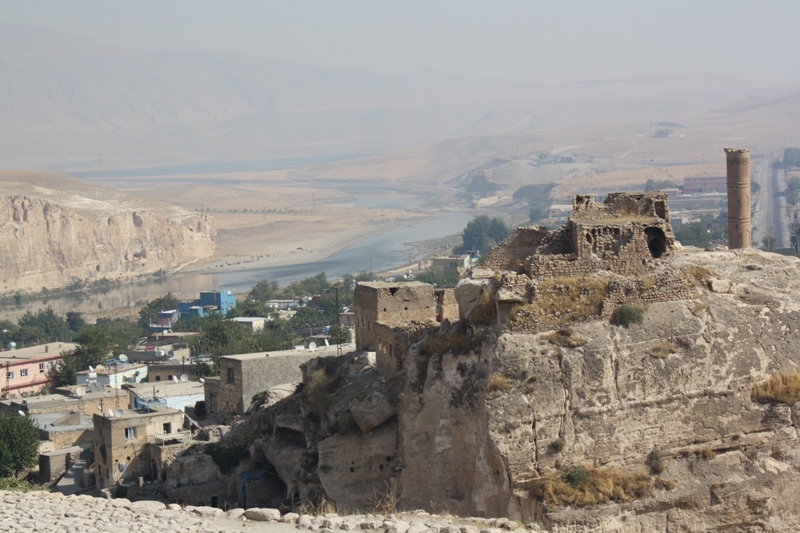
<point x="656" y="241"/>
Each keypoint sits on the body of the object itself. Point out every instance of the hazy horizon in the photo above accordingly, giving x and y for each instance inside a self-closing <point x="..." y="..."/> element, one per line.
<point x="520" y="42"/>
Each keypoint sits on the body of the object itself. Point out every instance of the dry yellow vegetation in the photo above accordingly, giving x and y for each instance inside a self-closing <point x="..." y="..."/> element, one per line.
<point x="780" y="388"/>
<point x="586" y="486"/>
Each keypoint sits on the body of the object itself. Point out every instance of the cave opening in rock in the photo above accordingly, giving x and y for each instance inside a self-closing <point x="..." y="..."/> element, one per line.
<point x="656" y="242"/>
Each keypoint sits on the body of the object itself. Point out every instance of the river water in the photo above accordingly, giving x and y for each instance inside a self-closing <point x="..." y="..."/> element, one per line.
<point x="384" y="251"/>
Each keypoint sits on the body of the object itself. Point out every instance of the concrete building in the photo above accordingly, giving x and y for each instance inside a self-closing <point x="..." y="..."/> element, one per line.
<point x="178" y="395"/>
<point x="113" y="376"/>
<point x="740" y="231"/>
<point x="63" y="430"/>
<point x="159" y="373"/>
<point x="122" y="443"/>
<point x="458" y="263"/>
<point x="705" y="184"/>
<point x="254" y="323"/>
<point x="27" y="370"/>
<point x="243" y="376"/>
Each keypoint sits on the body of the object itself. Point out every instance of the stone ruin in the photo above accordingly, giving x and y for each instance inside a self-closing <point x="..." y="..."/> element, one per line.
<point x="607" y="254"/>
<point x="624" y="235"/>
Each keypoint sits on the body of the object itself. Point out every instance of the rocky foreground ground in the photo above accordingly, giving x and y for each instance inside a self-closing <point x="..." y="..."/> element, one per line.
<point x="51" y="512"/>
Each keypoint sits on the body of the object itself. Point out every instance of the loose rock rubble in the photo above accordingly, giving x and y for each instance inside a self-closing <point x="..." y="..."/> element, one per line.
<point x="41" y="511"/>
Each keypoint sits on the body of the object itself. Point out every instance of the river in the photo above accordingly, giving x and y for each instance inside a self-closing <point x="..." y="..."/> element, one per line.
<point x="384" y="251"/>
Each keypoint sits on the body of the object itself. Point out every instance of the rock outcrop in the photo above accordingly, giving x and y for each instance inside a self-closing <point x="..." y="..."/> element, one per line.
<point x="57" y="231"/>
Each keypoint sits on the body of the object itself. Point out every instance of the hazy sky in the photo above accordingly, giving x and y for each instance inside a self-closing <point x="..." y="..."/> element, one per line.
<point x="522" y="41"/>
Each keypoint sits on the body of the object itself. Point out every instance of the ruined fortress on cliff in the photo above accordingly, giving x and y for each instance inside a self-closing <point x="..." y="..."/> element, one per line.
<point x="606" y="255"/>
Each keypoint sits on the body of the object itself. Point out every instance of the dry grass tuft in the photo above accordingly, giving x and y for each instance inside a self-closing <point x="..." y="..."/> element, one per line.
<point x="780" y="388"/>
<point x="485" y="311"/>
<point x="387" y="502"/>
<point x="586" y="486"/>
<point x="320" y="508"/>
<point x="565" y="299"/>
<point x="565" y="337"/>
<point x="662" y="349"/>
<point x="698" y="274"/>
<point x="319" y="391"/>
<point x="498" y="385"/>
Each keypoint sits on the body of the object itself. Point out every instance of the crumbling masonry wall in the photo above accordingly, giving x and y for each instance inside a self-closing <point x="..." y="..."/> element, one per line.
<point x="390" y="303"/>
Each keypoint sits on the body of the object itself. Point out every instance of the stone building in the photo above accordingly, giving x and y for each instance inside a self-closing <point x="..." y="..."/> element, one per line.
<point x="390" y="303"/>
<point x="243" y="376"/>
<point x="622" y="235"/>
<point x="390" y="317"/>
<point x="122" y="443"/>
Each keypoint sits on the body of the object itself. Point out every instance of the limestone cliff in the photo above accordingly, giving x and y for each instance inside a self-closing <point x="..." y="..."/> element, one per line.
<point x="471" y="416"/>
<point x="56" y="231"/>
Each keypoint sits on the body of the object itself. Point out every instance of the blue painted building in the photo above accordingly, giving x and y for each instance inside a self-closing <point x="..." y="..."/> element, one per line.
<point x="210" y="302"/>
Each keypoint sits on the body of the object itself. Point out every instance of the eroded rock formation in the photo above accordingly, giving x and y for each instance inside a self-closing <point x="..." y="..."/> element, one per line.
<point x="471" y="415"/>
<point x="57" y="231"/>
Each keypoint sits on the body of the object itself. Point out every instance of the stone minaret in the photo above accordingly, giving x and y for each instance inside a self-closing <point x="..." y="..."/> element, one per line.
<point x="740" y="232"/>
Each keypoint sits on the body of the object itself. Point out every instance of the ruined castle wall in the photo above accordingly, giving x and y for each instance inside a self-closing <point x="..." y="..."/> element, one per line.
<point x="390" y="303"/>
<point x="511" y="254"/>
<point x="393" y="341"/>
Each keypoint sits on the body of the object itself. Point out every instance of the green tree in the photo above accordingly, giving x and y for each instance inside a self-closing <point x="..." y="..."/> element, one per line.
<point x="7" y="331"/>
<point x="264" y="290"/>
<point x="19" y="444"/>
<point x="482" y="234"/>
<point x="307" y="287"/>
<point x="276" y="335"/>
<point x="251" y="308"/>
<point x="695" y="234"/>
<point x="149" y="313"/>
<point x="50" y="326"/>
<point x="440" y="278"/>
<point x="75" y="321"/>
<point x="537" y="213"/>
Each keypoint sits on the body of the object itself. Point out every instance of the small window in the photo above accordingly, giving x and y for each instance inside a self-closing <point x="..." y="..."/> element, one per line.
<point x="10" y="374"/>
<point x="50" y="365"/>
<point x="130" y="433"/>
<point x="41" y="368"/>
<point x="167" y="427"/>
<point x="158" y="378"/>
<point x="23" y="373"/>
<point x="231" y="376"/>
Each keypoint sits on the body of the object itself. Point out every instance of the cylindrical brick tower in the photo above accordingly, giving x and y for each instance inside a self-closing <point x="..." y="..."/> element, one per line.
<point x="740" y="230"/>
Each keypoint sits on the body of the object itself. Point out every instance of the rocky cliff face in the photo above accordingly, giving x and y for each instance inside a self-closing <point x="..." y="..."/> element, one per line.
<point x="478" y="416"/>
<point x="56" y="231"/>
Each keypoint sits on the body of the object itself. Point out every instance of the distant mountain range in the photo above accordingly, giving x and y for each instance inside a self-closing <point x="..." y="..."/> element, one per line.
<point x="73" y="104"/>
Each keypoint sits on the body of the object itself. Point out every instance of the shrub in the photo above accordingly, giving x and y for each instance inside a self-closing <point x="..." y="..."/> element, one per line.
<point x="625" y="315"/>
<point x="780" y="388"/>
<point x="565" y="337"/>
<point x="655" y="460"/>
<point x="584" y="486"/>
<point x="18" y="485"/>
<point x="19" y="444"/>
<point x="557" y="445"/>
